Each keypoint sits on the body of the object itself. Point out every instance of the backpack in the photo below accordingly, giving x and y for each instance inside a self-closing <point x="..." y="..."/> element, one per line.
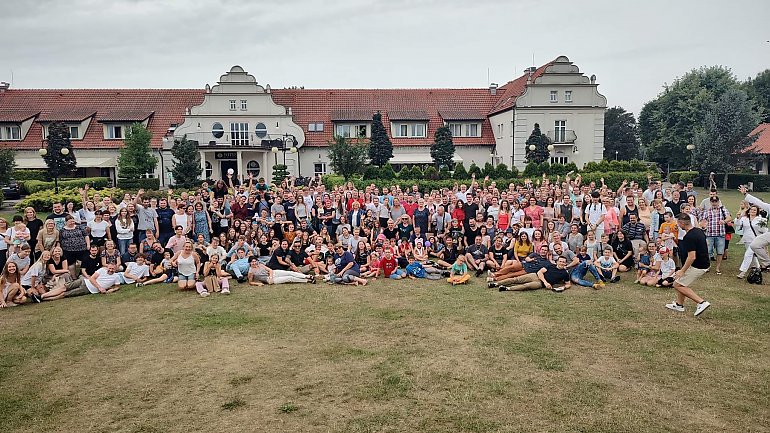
<point x="754" y="276"/>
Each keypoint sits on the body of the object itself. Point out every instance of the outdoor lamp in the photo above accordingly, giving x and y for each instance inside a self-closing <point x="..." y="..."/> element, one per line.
<point x="550" y="147"/>
<point x="65" y="151"/>
<point x="532" y="147"/>
<point x="43" y="152"/>
<point x="274" y="149"/>
<point x="690" y="147"/>
<point x="293" y="149"/>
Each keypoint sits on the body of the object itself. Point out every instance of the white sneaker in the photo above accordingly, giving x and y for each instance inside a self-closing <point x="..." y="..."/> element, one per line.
<point x="204" y="294"/>
<point x="676" y="307"/>
<point x="702" y="307"/>
<point x="225" y="291"/>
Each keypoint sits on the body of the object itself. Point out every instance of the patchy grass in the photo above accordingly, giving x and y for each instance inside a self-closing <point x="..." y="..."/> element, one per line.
<point x="390" y="357"/>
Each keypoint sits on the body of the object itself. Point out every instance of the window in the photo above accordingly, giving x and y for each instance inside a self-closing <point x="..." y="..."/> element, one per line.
<point x="232" y="105"/>
<point x="473" y="130"/>
<point x="319" y="127"/>
<point x="319" y="169"/>
<point x="209" y="173"/>
<point x="74" y="132"/>
<point x="260" y="130"/>
<point x="217" y="130"/>
<point x="244" y="105"/>
<point x="12" y="132"/>
<point x="559" y="131"/>
<point x="554" y="96"/>
<point x="418" y="130"/>
<point x="568" y="96"/>
<point x="311" y="127"/>
<point x="252" y="167"/>
<point x="457" y="129"/>
<point x="402" y="131"/>
<point x="559" y="160"/>
<point x="409" y="130"/>
<point x="239" y="133"/>
<point x="348" y="131"/>
<point x="115" y="132"/>
<point x="500" y="130"/>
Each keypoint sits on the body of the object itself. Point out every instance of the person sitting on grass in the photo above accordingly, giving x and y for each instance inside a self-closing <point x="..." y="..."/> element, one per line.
<point x="476" y="256"/>
<point x="188" y="265"/>
<point x="608" y="266"/>
<point x="389" y="266"/>
<point x="498" y="255"/>
<point x="34" y="280"/>
<point x="104" y="280"/>
<point x="348" y="271"/>
<point x="515" y="268"/>
<point x="136" y="272"/>
<point x="667" y="268"/>
<point x="215" y="279"/>
<point x="415" y="269"/>
<point x="458" y="272"/>
<point x="653" y="273"/>
<point x="239" y="266"/>
<point x="373" y="266"/>
<point x="643" y="265"/>
<point x="552" y="277"/>
<point x="10" y="285"/>
<point x="585" y="266"/>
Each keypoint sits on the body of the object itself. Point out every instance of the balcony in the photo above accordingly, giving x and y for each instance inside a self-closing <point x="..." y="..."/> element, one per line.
<point x="206" y="140"/>
<point x="562" y="136"/>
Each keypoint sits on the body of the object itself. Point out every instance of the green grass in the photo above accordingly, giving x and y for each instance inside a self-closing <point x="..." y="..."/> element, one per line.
<point x="390" y="357"/>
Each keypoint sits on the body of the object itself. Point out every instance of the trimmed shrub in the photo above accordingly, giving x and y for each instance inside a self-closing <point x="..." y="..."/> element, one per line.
<point x="474" y="170"/>
<point x="372" y="172"/>
<point x="387" y="172"/>
<point x="416" y="172"/>
<point x="460" y="173"/>
<point x="614" y="179"/>
<point x="148" y="184"/>
<point x="333" y="180"/>
<point x="431" y="173"/>
<point x="43" y="200"/>
<point x="488" y="170"/>
<point x="33" y="186"/>
<point x="405" y="173"/>
<point x="26" y="174"/>
<point x="444" y="174"/>
<point x="683" y="176"/>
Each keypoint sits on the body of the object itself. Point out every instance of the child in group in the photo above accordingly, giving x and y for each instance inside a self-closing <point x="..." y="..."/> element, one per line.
<point x="458" y="273"/>
<point x="169" y="268"/>
<point x="583" y="255"/>
<point x="373" y="268"/>
<point x="608" y="266"/>
<point x="331" y="270"/>
<point x="643" y="264"/>
<point x="667" y="268"/>
<point x="415" y="269"/>
<point x="22" y="257"/>
<point x="389" y="266"/>
<point x="669" y="233"/>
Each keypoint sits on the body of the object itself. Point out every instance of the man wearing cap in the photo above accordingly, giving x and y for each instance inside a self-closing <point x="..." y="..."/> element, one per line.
<point x="697" y="263"/>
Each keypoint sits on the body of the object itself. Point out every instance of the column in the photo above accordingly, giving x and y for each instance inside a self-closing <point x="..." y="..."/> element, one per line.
<point x="264" y="165"/>
<point x="203" y="164"/>
<point x="241" y="172"/>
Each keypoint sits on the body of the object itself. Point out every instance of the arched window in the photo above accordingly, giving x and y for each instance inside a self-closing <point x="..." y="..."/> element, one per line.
<point x="217" y="130"/>
<point x="252" y="168"/>
<point x="209" y="170"/>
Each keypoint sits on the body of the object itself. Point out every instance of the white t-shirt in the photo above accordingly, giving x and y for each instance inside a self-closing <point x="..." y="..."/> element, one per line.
<point x="210" y="251"/>
<point x="36" y="270"/>
<point x="105" y="280"/>
<point x="135" y="270"/>
<point x="667" y="267"/>
<point x="517" y="217"/>
<point x="98" y="229"/>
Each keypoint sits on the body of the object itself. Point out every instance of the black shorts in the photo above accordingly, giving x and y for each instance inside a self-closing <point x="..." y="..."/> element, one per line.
<point x="74" y="256"/>
<point x="99" y="242"/>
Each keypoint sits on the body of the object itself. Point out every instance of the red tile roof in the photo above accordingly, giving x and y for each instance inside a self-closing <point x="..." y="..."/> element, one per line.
<point x="168" y="106"/>
<point x="126" y="116"/>
<point x="318" y="105"/>
<point x="352" y="115"/>
<point x="408" y="115"/>
<point x="461" y="115"/>
<point x="75" y="114"/>
<point x="17" y="116"/>
<point x="513" y="89"/>
<point x="762" y="145"/>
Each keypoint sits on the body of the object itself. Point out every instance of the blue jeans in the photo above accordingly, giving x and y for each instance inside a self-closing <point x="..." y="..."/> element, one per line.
<point x="398" y="273"/>
<point x="580" y="272"/>
<point x="716" y="244"/>
<point x="123" y="245"/>
<point x="237" y="271"/>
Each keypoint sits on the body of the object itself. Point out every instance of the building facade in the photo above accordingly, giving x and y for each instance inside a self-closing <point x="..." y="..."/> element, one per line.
<point x="242" y="125"/>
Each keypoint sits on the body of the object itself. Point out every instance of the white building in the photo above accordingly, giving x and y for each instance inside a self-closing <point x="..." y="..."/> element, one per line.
<point x="242" y="125"/>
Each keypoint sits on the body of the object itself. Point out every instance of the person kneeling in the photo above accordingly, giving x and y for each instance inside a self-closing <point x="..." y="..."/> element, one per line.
<point x="551" y="277"/>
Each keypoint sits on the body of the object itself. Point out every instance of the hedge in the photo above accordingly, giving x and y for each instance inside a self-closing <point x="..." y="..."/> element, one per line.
<point x="43" y="201"/>
<point x="27" y="174"/>
<point x="613" y="180"/>
<point x="148" y="184"/>
<point x="683" y="176"/>
<point x="617" y="166"/>
<point x="33" y="186"/>
<point x="734" y="180"/>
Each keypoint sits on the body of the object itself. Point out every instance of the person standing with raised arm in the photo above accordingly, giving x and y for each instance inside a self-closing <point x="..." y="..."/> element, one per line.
<point x="760" y="243"/>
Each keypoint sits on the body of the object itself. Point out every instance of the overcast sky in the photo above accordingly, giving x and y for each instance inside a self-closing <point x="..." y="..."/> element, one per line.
<point x="632" y="47"/>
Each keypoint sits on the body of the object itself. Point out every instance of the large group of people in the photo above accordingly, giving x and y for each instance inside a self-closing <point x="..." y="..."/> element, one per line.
<point x="235" y="233"/>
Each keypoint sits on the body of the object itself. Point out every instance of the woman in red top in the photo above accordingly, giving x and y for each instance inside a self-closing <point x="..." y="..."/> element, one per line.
<point x="535" y="212"/>
<point x="459" y="212"/>
<point x="504" y="216"/>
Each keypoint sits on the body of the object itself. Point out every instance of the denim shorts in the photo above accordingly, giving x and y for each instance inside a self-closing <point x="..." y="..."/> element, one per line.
<point x="183" y="277"/>
<point x="716" y="243"/>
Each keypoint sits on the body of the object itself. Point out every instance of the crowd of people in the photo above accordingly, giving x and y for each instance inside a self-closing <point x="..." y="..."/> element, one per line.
<point x="232" y="233"/>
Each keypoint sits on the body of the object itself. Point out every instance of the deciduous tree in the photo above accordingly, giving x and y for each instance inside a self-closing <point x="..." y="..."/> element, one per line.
<point x="136" y="158"/>
<point x="620" y="134"/>
<point x="348" y="157"/>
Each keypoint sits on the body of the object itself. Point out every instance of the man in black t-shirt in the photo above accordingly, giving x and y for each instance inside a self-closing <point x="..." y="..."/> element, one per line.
<point x="91" y="263"/>
<point x="694" y="247"/>
<point x="476" y="256"/>
<point x="298" y="259"/>
<point x="555" y="277"/>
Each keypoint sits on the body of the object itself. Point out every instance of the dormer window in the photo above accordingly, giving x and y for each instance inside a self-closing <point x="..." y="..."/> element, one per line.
<point x="115" y="132"/>
<point x="409" y="130"/>
<point x="74" y="133"/>
<point x="10" y="133"/>
<point x="350" y="130"/>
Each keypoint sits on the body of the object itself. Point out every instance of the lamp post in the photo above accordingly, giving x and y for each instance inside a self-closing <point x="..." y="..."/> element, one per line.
<point x="43" y="152"/>
<point x="616" y="155"/>
<point x="691" y="147"/>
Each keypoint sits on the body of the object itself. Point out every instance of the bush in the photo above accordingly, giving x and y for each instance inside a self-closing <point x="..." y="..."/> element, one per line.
<point x="683" y="176"/>
<point x="535" y="169"/>
<point x="26" y="174"/>
<point x="734" y="180"/>
<point x="444" y="174"/>
<point x="416" y="172"/>
<point x="405" y="173"/>
<point x="43" y="200"/>
<point x="614" y="179"/>
<point x="431" y="173"/>
<point x="333" y="180"/>
<point x="372" y="172"/>
<point x="387" y="172"/>
<point x="474" y="170"/>
<point x="149" y="184"/>
<point x="33" y="186"/>
<point x="488" y="170"/>
<point x="460" y="172"/>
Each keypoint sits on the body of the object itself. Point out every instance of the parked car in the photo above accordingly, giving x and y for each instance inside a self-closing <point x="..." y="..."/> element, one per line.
<point x="11" y="190"/>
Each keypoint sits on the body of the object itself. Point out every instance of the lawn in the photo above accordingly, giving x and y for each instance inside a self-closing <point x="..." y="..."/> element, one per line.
<point x="390" y="357"/>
